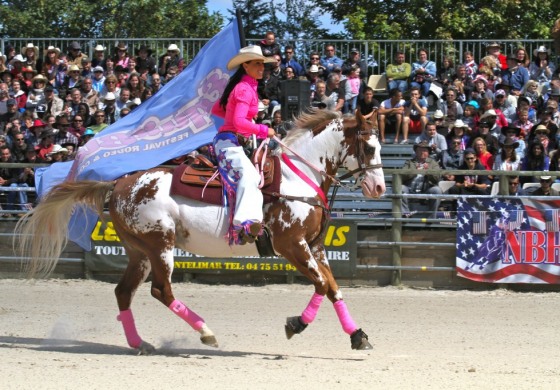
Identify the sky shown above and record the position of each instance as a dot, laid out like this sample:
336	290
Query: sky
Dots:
222	6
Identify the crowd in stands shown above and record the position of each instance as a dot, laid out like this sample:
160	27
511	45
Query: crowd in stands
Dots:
503	110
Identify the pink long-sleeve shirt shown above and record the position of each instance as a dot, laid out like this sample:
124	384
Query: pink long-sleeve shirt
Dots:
241	108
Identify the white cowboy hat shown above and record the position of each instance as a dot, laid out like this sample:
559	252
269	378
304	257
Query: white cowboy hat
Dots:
541	49
488	113
173	47
3	56
30	46
17	58
459	123
57	149
246	54
313	69
52	48
99	48
134	102
109	96
438	114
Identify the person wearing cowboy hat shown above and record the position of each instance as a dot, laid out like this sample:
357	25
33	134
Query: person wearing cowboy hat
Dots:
508	159
121	56
493	49
171	58
420	183
238	106
15	66
99	57
541	68
37	93
50	62
513	133
75	55
144	59
31	55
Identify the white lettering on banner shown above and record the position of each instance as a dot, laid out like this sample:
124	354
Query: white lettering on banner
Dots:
338	255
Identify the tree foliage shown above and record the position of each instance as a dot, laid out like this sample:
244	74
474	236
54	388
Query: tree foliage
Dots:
108	18
444	19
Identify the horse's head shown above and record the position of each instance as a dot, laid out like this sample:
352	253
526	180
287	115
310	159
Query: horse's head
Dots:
364	155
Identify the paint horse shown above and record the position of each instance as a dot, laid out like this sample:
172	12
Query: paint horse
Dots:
150	222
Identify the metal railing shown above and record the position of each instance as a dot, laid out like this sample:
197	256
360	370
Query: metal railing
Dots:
377	53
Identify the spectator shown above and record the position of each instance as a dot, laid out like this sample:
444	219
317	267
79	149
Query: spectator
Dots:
290	61
330	61
398	73
355	60
171	58
98	79
423	72
470	65
542	134
452	158
513	133
522	58
3	63
462	84
64	135
71	81
111	85
99	124
420	183
514	188
50	63
121	56
451	108
541	68
507	159
87	70
57	154
531	91
414	118
523	122
471	184
11	114
335	92
37	93
109	67
28	73
482	154
369	106
481	89
75	55
288	74
135	85
471	115
13	178
546	186
77	128
30	52
491	141
18	146
515	76
438	118
123	101
146	94
53	104
109	107
144	59
88	134
391	110
493	50
501	103
355	84
172	72
315	60
435	141
155	83
535	159
19	95
46	143
99	57
447	73
16	65
320	100
268	45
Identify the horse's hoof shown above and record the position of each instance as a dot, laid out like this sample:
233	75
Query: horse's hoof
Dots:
211	341
146	349
360	341
293	326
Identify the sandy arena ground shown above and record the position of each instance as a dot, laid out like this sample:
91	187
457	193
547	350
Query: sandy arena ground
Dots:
62	334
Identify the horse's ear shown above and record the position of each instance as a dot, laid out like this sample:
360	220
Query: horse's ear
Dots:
359	118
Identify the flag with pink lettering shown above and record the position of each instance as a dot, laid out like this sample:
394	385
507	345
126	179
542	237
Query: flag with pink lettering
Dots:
509	240
170	124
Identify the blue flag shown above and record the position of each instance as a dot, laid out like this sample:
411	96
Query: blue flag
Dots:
170	124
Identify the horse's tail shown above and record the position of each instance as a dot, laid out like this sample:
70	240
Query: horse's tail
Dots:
43	232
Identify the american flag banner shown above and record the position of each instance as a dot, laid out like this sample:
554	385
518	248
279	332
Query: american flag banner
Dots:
508	240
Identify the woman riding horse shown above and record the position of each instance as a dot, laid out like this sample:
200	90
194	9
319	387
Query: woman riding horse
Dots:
238	106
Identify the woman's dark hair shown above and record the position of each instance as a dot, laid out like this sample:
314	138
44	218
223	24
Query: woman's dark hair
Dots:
233	81
504	156
535	163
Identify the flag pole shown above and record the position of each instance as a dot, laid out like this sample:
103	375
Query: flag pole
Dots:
240	28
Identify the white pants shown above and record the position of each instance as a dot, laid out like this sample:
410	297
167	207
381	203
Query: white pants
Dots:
240	170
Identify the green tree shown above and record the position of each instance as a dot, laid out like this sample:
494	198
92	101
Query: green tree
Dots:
108	18
443	19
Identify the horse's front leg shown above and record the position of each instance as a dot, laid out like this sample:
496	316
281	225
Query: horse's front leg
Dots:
312	262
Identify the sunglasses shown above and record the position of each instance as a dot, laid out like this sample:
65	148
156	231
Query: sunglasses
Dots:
314	58
289	52
541	132
470	158
545	180
78	120
455	143
513	184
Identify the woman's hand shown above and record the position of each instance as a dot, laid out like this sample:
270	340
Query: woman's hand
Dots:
271	132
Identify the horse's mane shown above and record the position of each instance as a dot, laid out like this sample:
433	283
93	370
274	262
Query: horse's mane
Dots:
308	121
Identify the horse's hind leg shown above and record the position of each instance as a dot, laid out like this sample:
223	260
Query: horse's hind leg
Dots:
162	268
136	273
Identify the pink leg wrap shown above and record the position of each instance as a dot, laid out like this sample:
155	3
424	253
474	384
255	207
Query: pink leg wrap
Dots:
344	317
130	331
312	308
193	319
